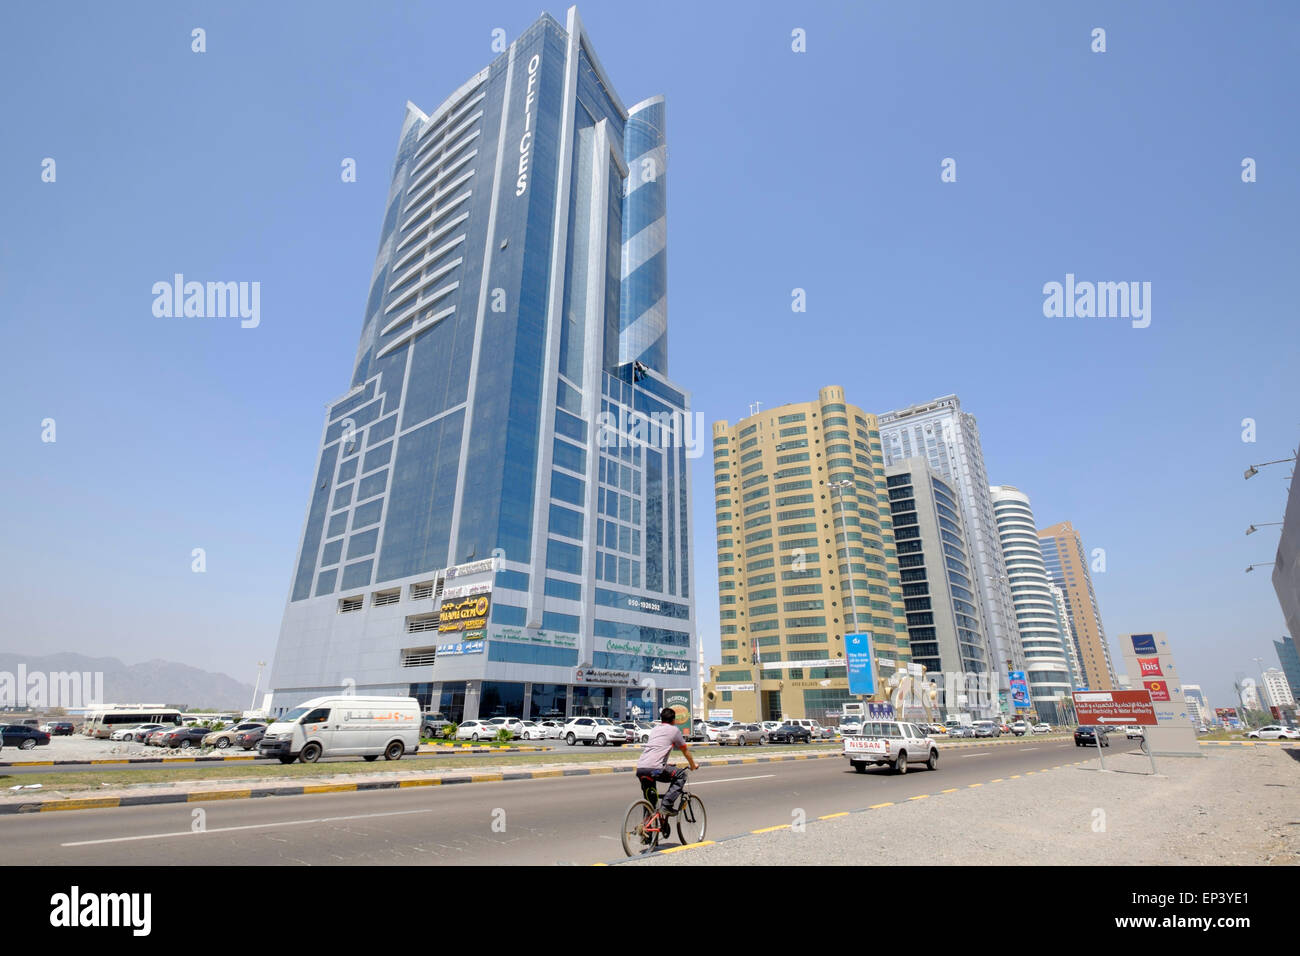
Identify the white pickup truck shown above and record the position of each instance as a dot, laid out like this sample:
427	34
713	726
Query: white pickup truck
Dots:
891	742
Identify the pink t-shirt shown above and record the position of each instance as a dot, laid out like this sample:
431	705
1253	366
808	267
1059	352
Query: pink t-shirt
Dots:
654	756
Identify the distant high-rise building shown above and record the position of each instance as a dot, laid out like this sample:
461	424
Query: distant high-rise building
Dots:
806	555
1067	565
1067	633
499	520
949	440
939	587
1277	690
1197	700
1290	661
1047	663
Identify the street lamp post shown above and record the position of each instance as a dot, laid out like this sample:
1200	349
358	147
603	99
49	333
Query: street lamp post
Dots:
258	685
837	489
1253	470
1263	524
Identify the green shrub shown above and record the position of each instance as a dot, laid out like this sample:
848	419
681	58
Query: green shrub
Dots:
450	730
503	736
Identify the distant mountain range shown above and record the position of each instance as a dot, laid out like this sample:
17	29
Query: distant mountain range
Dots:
153	682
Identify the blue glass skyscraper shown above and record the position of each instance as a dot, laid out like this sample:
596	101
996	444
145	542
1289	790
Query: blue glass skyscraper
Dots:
499	518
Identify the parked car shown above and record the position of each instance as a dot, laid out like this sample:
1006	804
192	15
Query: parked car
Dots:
431	724
512	724
153	738
1004	727
143	732
714	727
790	734
1042	728
551	729
594	730
636	732
182	737
1275	732
58	728
475	730
987	728
1085	736
23	736
1134	733
895	743
1020	728
741	735
249	739
221	739
123	733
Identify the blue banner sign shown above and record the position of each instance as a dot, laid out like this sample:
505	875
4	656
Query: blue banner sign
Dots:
861	664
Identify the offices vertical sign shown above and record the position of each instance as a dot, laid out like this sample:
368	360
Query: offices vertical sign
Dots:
526	140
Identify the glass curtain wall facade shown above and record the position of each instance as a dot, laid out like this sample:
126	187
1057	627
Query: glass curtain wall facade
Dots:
949	441
798	552
1047	663
495	446
939	588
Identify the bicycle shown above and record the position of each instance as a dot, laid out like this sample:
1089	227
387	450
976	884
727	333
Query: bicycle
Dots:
645	825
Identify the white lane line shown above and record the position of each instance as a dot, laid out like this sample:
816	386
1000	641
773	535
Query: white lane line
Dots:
1023	749
251	826
700	783
978	753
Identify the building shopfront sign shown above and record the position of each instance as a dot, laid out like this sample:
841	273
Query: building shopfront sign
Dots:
526	141
595	675
461	647
545	638
615	646
734	687
821	662
670	667
474	567
465	611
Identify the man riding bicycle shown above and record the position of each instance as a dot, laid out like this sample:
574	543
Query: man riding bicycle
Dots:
652	767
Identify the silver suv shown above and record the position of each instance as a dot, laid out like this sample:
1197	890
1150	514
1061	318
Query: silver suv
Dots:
894	743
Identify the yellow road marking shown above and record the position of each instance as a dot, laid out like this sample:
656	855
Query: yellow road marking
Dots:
832	816
688	846
949	790
329	788
919	796
485	777
877	806
998	780
975	785
784	826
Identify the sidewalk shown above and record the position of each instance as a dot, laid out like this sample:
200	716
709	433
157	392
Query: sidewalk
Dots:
1235	806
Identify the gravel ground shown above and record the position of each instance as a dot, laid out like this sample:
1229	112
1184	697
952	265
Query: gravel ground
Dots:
1235	806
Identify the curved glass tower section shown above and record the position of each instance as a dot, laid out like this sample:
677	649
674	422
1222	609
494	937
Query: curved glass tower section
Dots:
1047	665
643	319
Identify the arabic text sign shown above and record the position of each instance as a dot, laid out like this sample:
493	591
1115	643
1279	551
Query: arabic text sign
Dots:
1115	707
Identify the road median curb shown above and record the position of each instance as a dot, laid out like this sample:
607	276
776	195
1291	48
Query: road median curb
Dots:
313	789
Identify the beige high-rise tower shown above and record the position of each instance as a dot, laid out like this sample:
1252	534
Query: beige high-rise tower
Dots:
800	496
1067	565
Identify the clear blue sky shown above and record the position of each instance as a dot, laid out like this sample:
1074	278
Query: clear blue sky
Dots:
817	170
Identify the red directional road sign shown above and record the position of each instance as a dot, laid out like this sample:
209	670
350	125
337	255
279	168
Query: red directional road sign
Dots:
1117	707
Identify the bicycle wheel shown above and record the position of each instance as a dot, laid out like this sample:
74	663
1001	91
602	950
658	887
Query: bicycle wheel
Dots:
636	839
692	821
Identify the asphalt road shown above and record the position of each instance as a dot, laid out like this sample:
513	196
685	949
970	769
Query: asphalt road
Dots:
563	820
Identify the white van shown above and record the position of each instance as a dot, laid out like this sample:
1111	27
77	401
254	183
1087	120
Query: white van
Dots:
345	726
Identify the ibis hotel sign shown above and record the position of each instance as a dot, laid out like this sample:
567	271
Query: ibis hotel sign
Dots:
1149	662
464	611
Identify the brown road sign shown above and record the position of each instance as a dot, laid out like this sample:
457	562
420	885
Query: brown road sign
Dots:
1117	707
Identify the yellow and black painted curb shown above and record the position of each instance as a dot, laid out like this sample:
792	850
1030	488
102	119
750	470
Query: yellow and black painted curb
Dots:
153	799
425	750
